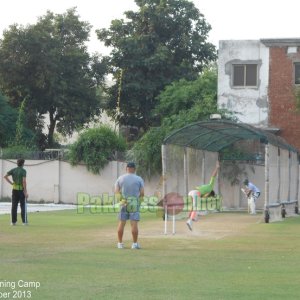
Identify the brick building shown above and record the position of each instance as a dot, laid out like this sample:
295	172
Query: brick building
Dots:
259	79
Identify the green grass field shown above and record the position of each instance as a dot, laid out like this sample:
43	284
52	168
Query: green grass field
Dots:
74	256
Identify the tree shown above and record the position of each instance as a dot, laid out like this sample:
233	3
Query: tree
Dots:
8	118
15	137
184	95
48	64
193	101
164	41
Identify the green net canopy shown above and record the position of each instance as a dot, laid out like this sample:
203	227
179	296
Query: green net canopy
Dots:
216	135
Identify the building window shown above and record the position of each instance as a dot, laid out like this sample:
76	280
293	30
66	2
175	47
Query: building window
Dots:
297	73
245	75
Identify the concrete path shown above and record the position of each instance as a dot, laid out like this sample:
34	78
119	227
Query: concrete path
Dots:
5	207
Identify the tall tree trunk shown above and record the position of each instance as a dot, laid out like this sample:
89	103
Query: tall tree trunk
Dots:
51	129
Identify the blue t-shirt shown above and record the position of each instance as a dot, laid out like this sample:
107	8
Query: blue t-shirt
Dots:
130	185
253	188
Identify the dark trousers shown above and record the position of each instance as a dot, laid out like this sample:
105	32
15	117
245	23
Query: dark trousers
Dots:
18	196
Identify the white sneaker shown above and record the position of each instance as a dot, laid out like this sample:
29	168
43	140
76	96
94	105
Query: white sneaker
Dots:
13	224
135	246
120	246
189	224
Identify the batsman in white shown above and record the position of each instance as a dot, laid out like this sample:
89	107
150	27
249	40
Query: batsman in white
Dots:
252	192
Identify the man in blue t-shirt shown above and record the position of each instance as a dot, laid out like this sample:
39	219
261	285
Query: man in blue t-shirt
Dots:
129	188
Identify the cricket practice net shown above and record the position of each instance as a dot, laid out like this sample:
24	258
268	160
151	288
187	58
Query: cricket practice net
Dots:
183	170
283	184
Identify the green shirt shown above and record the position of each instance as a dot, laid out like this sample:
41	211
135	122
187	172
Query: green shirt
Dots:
207	188
17	175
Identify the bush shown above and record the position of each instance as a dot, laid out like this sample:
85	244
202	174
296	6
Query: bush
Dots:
147	152
17	151
96	147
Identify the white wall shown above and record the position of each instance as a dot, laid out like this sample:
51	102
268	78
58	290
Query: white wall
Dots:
251	104
45	183
57	181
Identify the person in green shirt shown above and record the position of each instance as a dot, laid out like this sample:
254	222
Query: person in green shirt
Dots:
19	191
202	191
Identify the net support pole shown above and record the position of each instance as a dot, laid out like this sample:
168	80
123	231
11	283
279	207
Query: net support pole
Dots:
166	220
290	177
218	175
164	168
297	179
266	176
174	220
203	167
164	183
1	174
278	175
185	172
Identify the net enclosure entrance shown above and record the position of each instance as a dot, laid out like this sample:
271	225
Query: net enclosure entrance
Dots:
189	155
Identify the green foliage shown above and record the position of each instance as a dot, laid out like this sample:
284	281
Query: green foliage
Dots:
162	42
21	143
48	64
183	95
16	151
297	98
96	147
193	101
19	139
147	152
8	117
13	126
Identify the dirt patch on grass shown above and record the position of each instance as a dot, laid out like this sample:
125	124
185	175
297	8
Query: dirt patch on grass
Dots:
212	226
